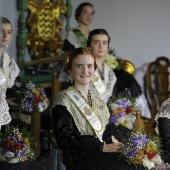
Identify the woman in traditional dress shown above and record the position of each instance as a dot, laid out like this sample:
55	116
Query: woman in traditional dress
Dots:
77	36
8	70
125	85
79	120
163	127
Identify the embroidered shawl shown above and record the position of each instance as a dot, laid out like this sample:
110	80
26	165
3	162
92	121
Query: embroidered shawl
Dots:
76	38
82	124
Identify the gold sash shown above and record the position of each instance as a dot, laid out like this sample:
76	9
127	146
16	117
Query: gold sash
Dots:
100	87
87	112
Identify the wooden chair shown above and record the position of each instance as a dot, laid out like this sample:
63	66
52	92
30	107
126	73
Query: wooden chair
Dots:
38	121
156	87
36	118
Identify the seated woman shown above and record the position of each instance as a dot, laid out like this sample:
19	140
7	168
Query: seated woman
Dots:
163	127
79	120
117	82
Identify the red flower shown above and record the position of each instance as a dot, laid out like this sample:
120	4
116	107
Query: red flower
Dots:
151	154
7	143
37	98
128	110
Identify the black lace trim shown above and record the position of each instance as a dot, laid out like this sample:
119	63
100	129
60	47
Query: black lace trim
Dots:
1	60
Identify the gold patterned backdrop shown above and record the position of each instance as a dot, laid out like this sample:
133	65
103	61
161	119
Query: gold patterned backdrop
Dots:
45	25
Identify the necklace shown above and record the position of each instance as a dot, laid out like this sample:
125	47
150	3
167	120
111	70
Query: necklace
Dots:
89	100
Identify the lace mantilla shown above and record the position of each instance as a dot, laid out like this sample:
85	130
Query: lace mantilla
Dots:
10	68
163	112
4	109
5	117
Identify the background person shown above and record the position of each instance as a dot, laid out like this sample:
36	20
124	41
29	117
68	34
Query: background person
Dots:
162	119
77	36
125	85
8	69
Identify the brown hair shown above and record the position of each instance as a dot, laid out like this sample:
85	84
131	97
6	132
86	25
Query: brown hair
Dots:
76	53
80	8
4	20
97	32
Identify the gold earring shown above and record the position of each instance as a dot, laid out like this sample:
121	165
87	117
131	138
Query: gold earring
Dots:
71	78
94	78
79	20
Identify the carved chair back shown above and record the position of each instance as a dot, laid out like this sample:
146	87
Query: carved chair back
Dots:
157	85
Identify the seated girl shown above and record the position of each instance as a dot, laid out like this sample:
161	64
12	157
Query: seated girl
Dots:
117	82
79	121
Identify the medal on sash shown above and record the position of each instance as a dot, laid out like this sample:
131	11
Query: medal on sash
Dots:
87	112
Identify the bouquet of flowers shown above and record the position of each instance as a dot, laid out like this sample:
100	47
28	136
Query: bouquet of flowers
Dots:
15	146
141	150
34	96
123	111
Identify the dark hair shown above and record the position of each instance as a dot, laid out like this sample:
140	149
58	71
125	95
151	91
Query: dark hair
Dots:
80	8
76	53
4	20
96	32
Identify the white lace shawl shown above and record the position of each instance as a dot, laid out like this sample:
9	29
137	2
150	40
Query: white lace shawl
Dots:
163	112
5	117
10	69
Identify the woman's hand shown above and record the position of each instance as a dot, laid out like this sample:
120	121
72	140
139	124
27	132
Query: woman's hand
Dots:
113	147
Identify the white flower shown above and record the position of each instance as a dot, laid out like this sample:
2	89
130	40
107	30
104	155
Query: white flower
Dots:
157	159
131	118
121	120
147	163
13	160
114	106
42	106
9	154
128	124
